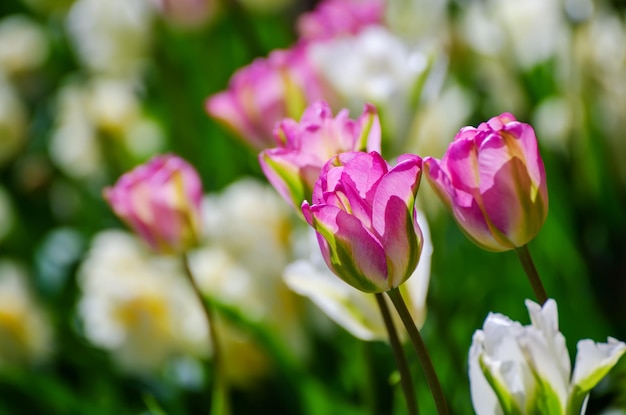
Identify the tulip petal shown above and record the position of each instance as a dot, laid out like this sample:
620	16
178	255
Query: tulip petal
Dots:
349	249
504	182
461	164
546	352
489	394
484	400
281	171
363	171
462	205
593	362
392	218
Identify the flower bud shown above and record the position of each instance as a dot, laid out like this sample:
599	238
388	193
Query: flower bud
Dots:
303	148
493	181
160	201
363	212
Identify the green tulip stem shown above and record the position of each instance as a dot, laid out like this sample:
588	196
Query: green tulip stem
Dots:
398	354
219	402
420	348
531	271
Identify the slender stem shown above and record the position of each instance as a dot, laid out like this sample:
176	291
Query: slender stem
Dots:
219	401
398	354
533	276
420	348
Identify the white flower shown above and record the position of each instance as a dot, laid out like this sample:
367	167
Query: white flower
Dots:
74	146
374	66
25	332
533	30
111	36
23	44
517	369
137	305
252	223
247	230
352	309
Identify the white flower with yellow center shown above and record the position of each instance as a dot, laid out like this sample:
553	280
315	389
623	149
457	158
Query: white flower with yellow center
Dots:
25	333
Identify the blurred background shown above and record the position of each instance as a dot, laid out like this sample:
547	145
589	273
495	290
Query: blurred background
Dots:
92	322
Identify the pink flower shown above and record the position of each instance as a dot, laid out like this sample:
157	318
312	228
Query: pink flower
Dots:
333	18
493	181
364	216
160	201
264	92
303	148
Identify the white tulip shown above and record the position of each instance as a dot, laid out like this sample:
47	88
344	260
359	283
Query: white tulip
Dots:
517	369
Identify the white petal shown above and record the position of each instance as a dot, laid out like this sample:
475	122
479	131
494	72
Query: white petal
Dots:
594	361
504	356
546	349
352	309
484	400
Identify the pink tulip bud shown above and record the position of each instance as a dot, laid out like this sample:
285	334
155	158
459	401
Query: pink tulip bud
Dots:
265	92
303	148
493	181
160	200
333	18
364	216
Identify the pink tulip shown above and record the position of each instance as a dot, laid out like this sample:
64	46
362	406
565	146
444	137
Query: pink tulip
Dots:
160	201
364	216
303	148
265	92
493	181
333	18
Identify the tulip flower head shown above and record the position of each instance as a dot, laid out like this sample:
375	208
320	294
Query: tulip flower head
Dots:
517	369
303	148
364	216
493	181
160	201
263	93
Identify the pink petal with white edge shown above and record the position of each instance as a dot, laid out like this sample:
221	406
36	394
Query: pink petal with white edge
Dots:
349	249
392	218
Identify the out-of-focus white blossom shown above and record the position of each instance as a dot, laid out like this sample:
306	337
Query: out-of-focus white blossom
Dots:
553	119
99	113
23	44
112	36
25	332
112	103
74	145
532	30
352	309
600	62
417	19
517	369
437	123
13	118
374	66
252	223
247	229
137	305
